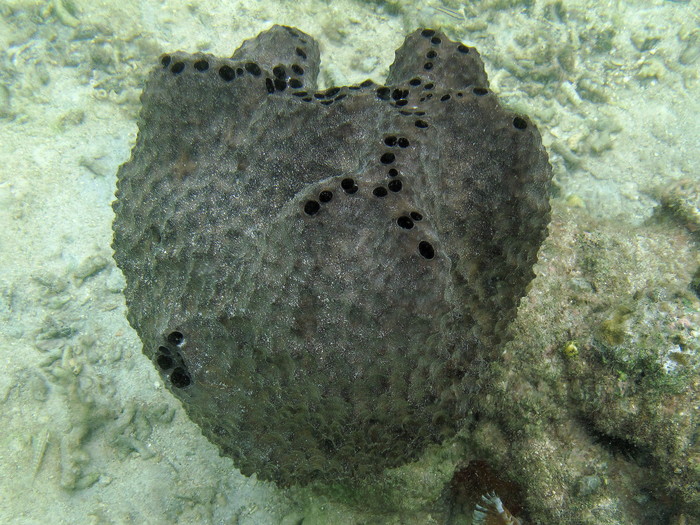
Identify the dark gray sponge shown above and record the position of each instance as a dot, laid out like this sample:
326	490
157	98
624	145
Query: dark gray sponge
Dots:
316	274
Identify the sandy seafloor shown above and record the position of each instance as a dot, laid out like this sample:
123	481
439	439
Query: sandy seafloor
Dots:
89	433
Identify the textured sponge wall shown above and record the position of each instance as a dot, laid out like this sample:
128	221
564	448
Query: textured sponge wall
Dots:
314	273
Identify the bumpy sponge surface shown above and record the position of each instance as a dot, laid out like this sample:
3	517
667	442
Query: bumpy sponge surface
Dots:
315	274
